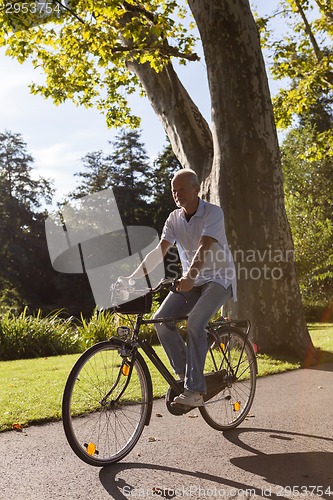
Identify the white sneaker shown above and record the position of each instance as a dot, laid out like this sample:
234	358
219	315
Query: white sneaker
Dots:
189	398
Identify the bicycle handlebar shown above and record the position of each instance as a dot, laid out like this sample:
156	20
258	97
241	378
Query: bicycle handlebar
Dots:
129	284
124	287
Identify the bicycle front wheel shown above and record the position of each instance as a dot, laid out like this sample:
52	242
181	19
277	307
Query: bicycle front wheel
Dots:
106	403
231	366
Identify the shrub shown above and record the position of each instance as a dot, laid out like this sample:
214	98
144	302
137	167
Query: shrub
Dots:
99	327
26	336
10	299
103	324
318	311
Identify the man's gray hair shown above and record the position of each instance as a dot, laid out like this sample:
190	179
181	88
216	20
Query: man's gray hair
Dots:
190	173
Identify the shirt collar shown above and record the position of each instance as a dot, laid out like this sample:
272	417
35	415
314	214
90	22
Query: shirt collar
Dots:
198	213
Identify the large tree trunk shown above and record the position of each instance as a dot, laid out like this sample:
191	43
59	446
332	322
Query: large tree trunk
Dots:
245	177
249	183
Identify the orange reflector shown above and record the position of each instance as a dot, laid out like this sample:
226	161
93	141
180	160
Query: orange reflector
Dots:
91	449
237	406
222	347
125	369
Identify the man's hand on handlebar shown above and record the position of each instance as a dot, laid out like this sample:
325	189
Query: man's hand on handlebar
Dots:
181	285
184	284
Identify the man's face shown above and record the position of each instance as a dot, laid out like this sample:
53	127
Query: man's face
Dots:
184	193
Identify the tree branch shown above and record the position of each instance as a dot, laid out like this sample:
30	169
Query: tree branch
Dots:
70	11
309	31
164	49
173	51
188	131
138	9
328	12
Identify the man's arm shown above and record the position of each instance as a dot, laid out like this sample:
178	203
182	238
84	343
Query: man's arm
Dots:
151	261
185	284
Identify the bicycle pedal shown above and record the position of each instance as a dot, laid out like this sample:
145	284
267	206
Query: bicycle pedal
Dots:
174	408
181	409
179	405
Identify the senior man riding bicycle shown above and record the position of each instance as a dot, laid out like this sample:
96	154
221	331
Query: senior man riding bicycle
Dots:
208	281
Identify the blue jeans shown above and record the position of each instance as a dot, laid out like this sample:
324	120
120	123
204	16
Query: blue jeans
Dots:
201	303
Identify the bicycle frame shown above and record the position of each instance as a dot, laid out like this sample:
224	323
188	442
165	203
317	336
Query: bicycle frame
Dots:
151	353
155	359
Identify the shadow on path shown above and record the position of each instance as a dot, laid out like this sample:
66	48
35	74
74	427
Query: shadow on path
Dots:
281	470
287	470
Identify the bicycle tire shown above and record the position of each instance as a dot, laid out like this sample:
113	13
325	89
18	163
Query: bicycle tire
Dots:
103	432
231	354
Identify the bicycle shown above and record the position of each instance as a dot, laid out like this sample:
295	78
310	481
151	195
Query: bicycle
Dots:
108	396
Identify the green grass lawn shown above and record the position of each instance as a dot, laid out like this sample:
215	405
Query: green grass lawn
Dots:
31	390
322	335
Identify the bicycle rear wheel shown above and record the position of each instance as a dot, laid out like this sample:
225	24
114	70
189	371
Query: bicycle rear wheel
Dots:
106	403
232	359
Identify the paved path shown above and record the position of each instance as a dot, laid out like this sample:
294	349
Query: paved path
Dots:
286	442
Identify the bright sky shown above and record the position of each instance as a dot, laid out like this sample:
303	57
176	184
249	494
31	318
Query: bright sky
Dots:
59	136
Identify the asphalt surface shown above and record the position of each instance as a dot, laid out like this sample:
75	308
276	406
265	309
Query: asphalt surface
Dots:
283	450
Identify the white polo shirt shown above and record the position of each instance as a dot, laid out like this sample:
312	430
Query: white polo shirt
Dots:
207	221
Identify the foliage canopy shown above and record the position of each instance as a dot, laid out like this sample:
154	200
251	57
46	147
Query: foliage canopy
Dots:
309	204
86	49
302	60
